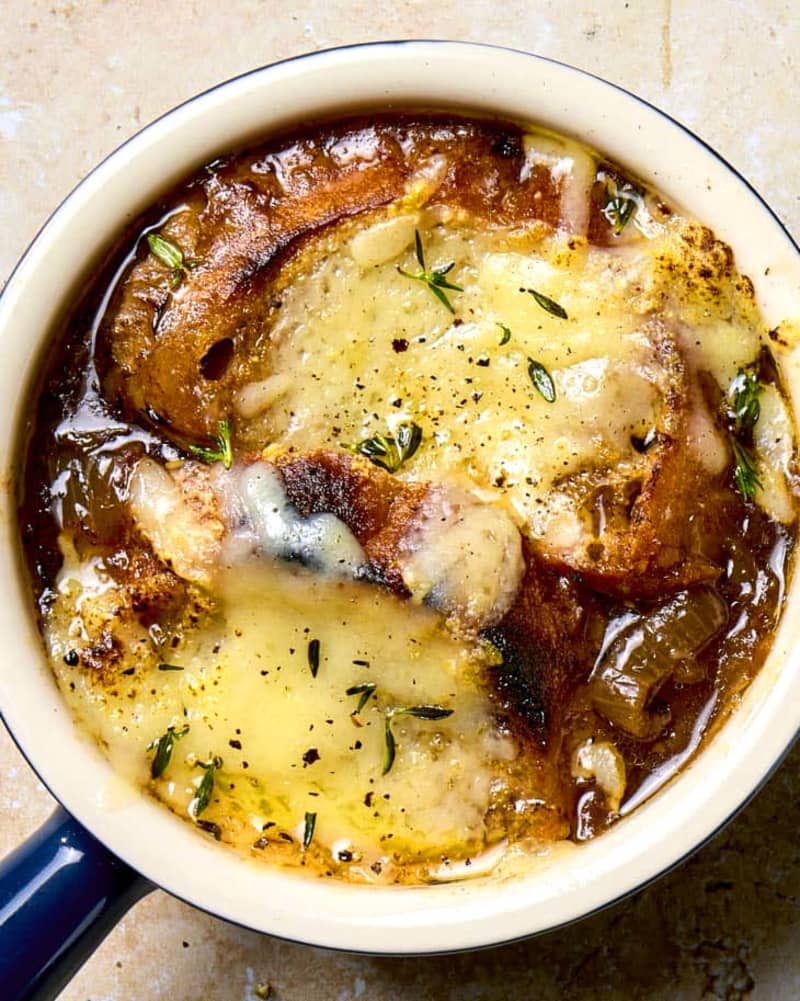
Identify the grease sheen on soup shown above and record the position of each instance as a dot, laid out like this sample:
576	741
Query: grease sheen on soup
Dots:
409	493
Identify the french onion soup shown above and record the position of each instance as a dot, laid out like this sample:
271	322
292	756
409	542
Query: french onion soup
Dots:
409	493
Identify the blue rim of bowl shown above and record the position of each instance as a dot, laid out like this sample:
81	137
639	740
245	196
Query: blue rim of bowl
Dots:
775	765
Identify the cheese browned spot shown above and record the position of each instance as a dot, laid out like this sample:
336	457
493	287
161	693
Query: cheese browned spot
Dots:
436	544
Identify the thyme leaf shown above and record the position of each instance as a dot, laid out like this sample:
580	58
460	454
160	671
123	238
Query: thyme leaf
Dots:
435	278
542	380
409	438
169	667
388	451
379	449
418	249
390	746
169	253
204	791
313	657
223	450
423	712
366	691
506	334
163	746
171	256
620	206
548	305
428	712
308	830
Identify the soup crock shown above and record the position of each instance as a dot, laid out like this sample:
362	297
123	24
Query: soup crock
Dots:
60	891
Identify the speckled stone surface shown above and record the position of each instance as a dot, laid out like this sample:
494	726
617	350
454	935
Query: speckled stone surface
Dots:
77	78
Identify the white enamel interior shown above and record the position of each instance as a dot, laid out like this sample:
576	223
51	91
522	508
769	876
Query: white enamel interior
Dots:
459	76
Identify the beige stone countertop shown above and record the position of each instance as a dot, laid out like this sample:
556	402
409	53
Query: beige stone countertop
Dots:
76	79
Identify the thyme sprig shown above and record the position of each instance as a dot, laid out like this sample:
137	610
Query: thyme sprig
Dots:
163	746
435	278
171	256
222	450
428	712
390	451
204	791
743	411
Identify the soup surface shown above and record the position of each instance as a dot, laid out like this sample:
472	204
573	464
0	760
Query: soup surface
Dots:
409	492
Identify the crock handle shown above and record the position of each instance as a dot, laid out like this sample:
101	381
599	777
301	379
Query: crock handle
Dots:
61	892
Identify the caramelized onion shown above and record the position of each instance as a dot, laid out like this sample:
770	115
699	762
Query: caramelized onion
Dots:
601	761
640	652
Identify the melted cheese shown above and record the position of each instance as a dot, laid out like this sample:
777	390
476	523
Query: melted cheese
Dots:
289	742
570	164
773	437
364	348
464	558
180	524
